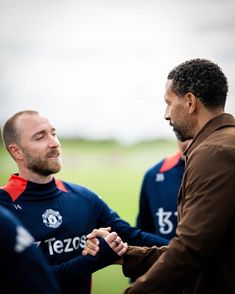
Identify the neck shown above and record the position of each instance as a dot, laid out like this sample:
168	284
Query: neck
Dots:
207	115
34	177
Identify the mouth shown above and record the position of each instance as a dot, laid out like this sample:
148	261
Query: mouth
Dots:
54	155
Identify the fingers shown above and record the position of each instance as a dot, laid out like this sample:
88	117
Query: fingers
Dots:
122	250
92	247
115	242
109	238
102	232
112	239
92	243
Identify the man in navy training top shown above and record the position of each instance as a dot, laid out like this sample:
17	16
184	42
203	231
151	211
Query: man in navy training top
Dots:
58	214
23	268
158	196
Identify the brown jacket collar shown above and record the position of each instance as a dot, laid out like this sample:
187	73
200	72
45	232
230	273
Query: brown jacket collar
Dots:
220	121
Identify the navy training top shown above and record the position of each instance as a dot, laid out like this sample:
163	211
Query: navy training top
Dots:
59	215
158	197
23	268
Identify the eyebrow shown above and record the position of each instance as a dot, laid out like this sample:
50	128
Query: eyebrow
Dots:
38	133
166	100
42	132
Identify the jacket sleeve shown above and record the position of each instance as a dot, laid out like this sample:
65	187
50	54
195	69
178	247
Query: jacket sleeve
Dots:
207	211
138	260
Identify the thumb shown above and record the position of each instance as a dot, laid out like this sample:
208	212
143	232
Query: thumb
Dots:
108	229
97	233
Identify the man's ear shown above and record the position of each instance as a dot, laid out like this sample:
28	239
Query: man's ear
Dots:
191	102
15	151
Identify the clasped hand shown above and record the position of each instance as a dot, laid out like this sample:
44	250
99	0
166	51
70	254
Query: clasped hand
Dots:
112	239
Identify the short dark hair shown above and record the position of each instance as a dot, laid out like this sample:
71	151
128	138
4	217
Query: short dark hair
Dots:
202	78
10	132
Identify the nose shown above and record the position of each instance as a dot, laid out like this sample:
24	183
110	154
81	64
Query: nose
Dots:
166	115
54	141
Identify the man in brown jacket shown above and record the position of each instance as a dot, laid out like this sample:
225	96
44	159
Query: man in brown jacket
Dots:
201	258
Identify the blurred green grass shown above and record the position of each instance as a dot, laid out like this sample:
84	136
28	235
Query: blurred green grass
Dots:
115	173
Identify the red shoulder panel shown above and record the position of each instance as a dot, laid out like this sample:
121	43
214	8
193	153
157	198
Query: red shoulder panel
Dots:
170	162
15	186
60	185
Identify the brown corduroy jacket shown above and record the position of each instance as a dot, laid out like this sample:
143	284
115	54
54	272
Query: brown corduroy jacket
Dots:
201	258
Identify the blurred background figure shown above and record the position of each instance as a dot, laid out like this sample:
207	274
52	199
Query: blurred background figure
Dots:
23	268
158	196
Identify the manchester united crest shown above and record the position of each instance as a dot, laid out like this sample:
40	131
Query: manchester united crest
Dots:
52	218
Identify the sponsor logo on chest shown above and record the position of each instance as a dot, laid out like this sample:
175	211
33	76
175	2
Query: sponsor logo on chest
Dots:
67	245
53	219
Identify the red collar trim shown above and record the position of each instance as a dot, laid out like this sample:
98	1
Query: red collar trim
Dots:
15	186
170	162
60	185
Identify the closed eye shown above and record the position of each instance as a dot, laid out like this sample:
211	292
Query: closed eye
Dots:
39	138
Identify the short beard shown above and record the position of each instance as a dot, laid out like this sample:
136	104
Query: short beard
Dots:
40	166
182	134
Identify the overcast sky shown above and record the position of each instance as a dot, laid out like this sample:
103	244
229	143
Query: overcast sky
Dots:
97	68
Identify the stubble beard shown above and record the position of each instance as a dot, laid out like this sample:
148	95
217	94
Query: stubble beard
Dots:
182	133
43	167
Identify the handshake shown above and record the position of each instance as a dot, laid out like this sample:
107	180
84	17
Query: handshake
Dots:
111	238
